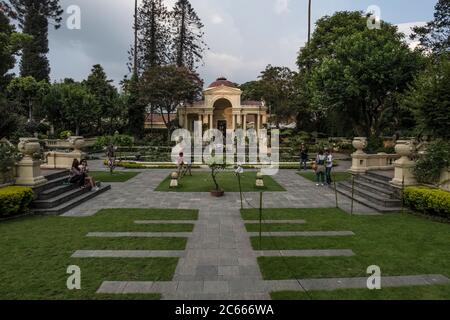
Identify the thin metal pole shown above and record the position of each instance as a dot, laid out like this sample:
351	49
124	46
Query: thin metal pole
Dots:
403	193
260	219
335	189
240	190
353	193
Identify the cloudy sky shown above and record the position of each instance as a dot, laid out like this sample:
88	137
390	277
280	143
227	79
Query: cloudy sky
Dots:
243	35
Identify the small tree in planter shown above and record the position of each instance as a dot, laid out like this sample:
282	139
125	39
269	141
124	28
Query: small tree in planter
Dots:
216	167
8	157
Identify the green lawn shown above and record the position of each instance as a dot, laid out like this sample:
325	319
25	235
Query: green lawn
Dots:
399	244
36	252
202	182
337	176
117	176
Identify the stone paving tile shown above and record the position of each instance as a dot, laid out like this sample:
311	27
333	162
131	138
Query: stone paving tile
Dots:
276	221
127	254
357	283
304	234
139	234
306	253
246	288
165	222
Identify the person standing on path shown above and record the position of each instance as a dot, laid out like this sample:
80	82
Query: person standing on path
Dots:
303	157
329	166
320	168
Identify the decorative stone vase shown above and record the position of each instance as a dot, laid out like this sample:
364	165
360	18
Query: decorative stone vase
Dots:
405	148
29	146
28	169
359	143
77	143
404	167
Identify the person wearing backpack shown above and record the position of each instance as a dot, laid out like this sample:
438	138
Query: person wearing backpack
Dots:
320	168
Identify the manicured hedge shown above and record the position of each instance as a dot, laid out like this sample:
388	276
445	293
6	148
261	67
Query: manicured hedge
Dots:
15	200
429	201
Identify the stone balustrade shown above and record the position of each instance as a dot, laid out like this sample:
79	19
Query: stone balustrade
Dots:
64	160
363	162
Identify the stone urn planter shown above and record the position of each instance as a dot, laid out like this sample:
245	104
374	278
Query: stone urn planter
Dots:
77	143
359	143
405	148
29	146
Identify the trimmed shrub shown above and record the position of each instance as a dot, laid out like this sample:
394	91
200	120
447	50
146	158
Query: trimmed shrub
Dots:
15	200
430	201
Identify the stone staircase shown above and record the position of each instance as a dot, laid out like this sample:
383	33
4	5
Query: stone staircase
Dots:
57	196
374	191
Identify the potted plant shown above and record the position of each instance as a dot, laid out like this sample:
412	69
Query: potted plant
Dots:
216	167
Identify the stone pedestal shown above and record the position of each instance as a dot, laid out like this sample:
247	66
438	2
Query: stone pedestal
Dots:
404	167
29	170
359	157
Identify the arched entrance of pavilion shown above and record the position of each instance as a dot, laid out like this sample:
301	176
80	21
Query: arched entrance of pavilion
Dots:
223	115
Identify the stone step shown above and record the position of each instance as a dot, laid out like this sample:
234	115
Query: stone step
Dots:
375	181
51	184
139	234
66	206
59	199
306	253
304	234
56	191
379	176
380	200
382	191
129	254
56	174
368	203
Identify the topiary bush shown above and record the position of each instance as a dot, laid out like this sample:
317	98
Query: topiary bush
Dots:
15	200
429	201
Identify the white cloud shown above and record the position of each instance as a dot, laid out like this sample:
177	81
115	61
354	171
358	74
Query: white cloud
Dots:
281	6
406	29
216	19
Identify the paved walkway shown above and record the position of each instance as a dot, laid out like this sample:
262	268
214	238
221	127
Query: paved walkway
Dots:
219	262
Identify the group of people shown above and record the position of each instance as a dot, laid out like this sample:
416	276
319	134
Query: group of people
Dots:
79	174
323	165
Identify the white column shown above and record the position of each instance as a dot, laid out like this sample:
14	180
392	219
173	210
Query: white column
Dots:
211	119
233	117
186	125
245	122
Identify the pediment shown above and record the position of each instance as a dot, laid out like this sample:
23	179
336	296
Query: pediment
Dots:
222	90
